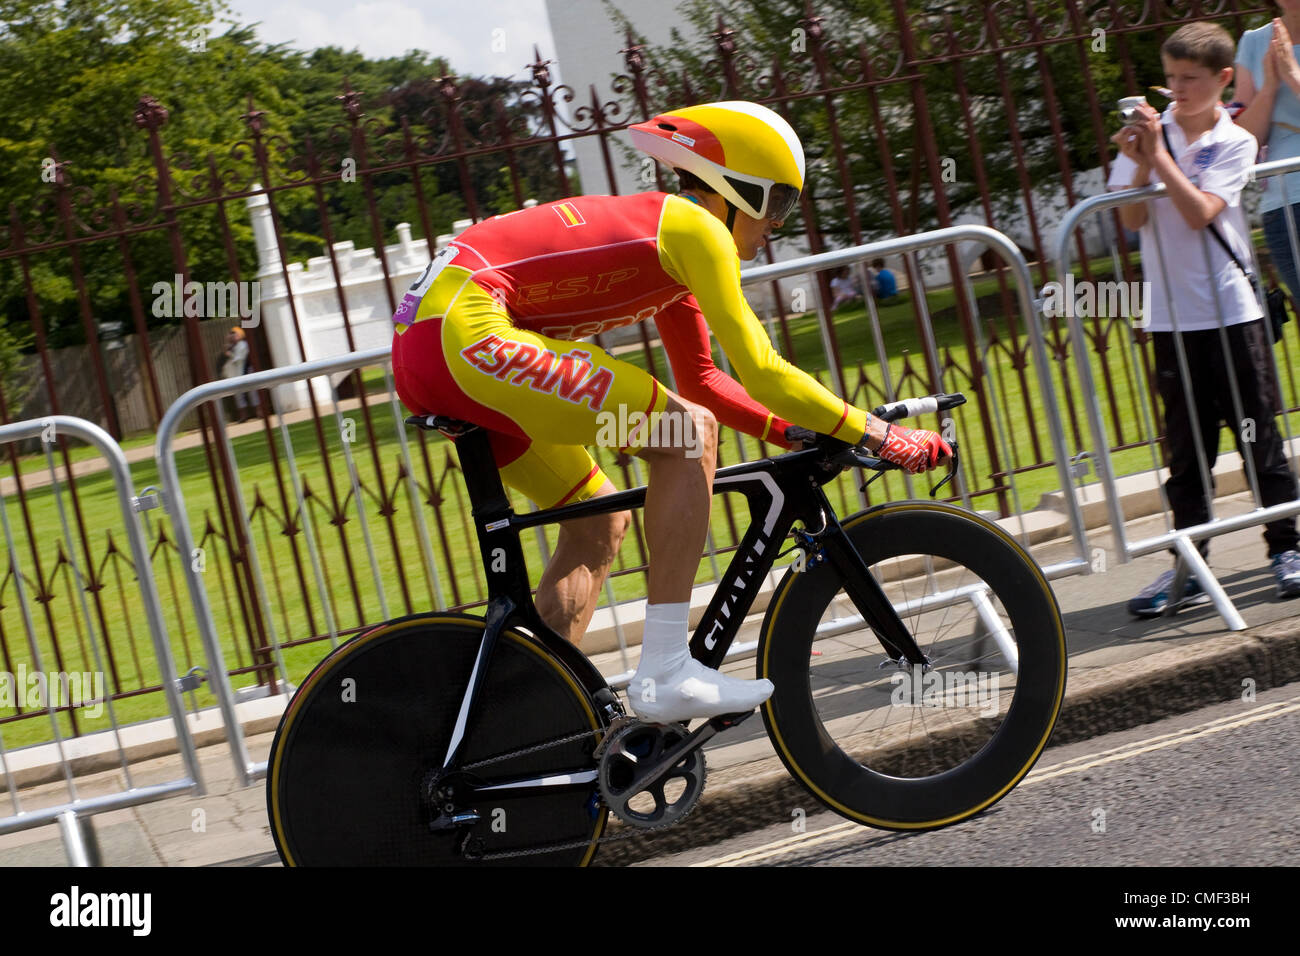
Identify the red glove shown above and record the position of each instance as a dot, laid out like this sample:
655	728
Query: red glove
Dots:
914	449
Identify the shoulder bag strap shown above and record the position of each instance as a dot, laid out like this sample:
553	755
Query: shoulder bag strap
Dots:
1250	276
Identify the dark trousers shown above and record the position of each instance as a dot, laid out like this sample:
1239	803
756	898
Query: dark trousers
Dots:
1212	390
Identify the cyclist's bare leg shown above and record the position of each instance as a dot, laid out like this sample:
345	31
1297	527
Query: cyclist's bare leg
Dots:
669	685
678	503
679	497
570	587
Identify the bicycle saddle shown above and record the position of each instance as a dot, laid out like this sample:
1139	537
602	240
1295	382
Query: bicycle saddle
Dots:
451	427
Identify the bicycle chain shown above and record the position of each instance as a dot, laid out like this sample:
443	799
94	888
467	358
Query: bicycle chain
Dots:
557	847
560	741
554	847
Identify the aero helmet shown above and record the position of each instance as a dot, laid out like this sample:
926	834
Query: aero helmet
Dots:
745	152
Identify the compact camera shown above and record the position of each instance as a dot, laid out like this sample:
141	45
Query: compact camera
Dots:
1129	114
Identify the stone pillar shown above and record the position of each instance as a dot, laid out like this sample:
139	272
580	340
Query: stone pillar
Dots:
259	212
274	312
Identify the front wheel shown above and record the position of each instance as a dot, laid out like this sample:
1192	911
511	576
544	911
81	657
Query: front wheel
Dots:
890	746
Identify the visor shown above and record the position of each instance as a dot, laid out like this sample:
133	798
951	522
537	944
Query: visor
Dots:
780	201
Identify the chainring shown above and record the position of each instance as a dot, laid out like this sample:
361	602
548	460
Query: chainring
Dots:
629	748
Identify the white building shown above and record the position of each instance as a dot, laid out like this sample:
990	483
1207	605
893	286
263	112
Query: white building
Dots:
316	299
588	45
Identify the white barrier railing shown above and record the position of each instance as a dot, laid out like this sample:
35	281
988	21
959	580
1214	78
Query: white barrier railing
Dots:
73	815
908	246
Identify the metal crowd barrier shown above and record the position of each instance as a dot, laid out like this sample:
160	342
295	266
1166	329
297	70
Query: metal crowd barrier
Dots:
908	247
174	501
73	815
1190	561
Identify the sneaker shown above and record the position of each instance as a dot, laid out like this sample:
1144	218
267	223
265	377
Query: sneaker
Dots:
1286	569
693	690
1154	598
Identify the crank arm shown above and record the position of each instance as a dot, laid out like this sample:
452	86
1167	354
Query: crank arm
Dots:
697	738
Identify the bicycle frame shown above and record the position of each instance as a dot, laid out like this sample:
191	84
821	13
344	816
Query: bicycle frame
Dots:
779	492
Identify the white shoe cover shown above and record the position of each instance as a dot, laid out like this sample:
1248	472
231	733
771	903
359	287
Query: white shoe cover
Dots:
693	690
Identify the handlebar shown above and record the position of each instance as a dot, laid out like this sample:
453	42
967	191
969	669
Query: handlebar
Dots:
911	407
852	456
890	412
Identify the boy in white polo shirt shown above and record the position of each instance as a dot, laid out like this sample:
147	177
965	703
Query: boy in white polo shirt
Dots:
1204	159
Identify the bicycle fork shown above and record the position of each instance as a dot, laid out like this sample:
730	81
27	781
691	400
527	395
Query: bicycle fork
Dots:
864	590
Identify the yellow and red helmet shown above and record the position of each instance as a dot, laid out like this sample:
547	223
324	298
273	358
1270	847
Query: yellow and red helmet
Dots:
745	152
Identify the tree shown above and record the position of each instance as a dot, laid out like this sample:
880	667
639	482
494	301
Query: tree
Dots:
74	74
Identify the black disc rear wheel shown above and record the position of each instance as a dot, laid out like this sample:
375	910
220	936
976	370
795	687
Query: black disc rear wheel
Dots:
348	778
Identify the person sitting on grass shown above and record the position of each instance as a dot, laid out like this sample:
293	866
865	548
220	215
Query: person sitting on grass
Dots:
883	283
844	288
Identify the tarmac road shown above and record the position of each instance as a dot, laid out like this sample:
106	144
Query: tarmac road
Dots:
1214	787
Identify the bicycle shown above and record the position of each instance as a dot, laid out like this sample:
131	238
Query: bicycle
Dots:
445	738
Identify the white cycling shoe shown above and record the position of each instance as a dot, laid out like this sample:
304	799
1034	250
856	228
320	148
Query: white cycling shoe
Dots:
692	690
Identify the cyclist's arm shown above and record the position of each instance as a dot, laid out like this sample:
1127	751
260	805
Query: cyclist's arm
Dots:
685	336
697	251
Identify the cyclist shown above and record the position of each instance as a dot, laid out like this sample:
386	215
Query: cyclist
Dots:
490	334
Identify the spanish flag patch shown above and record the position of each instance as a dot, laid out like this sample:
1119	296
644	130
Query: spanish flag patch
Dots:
569	213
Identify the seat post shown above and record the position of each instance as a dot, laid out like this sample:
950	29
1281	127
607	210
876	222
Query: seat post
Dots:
487	494
500	550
